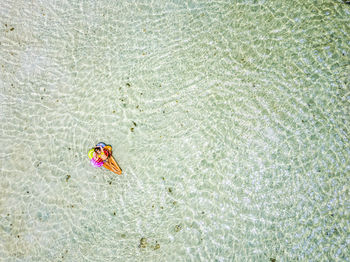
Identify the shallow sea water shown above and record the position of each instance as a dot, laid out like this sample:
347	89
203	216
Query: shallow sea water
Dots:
230	120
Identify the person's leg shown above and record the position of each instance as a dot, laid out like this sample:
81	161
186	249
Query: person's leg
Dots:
110	163
112	167
108	166
115	166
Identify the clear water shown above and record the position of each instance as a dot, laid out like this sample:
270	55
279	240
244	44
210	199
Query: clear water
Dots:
230	120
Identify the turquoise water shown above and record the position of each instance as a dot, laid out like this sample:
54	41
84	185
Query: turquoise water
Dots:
230	120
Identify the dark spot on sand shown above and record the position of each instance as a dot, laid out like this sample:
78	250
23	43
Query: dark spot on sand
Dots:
71	206
170	190
203	212
178	228
38	164
128	84
11	29
141	93
157	246
67	178
163	111
174	203
163	178
123	235
132	129
41	98
17	236
113	111
273	259
332	215
161	207
143	242
69	148
27	192
134	123
110	182
114	213
152	206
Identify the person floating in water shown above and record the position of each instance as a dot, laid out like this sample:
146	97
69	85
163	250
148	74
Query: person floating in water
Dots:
101	155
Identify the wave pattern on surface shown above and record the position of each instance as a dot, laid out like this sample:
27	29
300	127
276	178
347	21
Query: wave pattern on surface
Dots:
230	121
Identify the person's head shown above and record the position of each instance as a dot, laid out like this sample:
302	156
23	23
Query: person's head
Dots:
97	150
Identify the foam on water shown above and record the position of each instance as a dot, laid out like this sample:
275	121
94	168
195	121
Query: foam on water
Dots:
230	121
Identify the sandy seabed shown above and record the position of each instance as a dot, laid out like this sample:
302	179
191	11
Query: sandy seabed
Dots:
230	121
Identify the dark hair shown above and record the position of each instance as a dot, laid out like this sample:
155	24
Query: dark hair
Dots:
97	149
